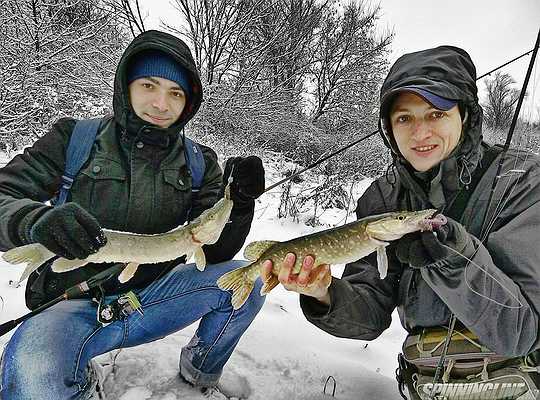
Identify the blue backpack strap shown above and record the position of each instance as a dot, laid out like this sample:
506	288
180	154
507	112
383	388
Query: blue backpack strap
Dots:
195	162
78	151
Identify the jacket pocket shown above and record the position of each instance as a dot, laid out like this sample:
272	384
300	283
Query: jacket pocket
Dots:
102	188
175	196
422	307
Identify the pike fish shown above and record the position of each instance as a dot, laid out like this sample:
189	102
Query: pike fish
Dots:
134	249
338	245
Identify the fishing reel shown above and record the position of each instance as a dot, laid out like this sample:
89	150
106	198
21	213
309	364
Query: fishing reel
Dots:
118	309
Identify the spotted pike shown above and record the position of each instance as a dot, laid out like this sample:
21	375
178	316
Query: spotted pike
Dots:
135	249
338	245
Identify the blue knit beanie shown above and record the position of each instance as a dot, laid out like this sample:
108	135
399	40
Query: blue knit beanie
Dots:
161	65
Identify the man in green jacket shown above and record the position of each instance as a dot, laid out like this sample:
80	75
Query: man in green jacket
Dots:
483	265
136	180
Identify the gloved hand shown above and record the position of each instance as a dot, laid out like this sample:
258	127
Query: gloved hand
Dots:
450	242
248	178
68	231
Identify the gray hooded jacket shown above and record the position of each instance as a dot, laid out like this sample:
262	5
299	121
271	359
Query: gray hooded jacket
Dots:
498	295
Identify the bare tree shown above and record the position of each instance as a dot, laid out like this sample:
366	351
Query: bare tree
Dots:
245	40
351	60
501	100
290	31
129	14
215	29
57	56
285	75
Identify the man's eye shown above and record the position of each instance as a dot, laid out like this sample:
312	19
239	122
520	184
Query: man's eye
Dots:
147	85
402	118
178	94
437	114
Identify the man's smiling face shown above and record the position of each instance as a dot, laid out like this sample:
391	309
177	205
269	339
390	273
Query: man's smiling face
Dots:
424	135
157	100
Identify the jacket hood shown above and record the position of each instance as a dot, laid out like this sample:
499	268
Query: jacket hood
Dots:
449	72
177	49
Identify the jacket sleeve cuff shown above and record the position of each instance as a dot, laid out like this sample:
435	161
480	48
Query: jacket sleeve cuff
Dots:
314	309
23	221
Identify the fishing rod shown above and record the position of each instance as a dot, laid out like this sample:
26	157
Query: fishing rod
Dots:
446	346
522	94
73	292
510	134
319	161
312	165
505	64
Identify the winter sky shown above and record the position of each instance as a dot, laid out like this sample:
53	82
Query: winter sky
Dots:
492	31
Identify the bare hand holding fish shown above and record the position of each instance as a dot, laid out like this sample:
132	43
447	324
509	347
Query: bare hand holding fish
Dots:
338	245
311	281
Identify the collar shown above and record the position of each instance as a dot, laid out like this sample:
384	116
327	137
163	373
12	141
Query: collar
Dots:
432	186
138	129
153	138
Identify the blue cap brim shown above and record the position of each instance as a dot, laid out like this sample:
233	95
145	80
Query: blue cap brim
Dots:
438	102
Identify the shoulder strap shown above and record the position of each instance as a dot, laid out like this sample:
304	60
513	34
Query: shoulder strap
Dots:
78	151
195	162
80	145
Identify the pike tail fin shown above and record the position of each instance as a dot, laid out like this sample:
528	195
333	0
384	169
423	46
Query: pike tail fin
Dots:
239	282
34	254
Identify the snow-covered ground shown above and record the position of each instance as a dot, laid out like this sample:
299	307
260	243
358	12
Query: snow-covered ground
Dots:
281	356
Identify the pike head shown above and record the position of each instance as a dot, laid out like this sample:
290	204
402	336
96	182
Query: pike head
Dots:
393	226
208	226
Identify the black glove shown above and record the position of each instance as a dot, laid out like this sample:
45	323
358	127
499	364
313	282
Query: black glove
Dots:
68	231
248	178
447	244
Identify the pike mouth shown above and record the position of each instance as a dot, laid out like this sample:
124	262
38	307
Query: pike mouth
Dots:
437	221
396	225
420	219
432	220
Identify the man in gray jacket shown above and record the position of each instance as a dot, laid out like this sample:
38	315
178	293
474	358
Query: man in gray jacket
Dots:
483	266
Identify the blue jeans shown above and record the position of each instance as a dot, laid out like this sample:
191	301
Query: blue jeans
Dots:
47	356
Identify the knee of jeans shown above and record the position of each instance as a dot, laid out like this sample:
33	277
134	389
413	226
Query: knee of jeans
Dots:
28	374
31	365
37	374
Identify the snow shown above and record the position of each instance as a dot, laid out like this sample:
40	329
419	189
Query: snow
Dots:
281	356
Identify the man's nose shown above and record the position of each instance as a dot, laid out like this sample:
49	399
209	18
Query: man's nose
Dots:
421	131
160	102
